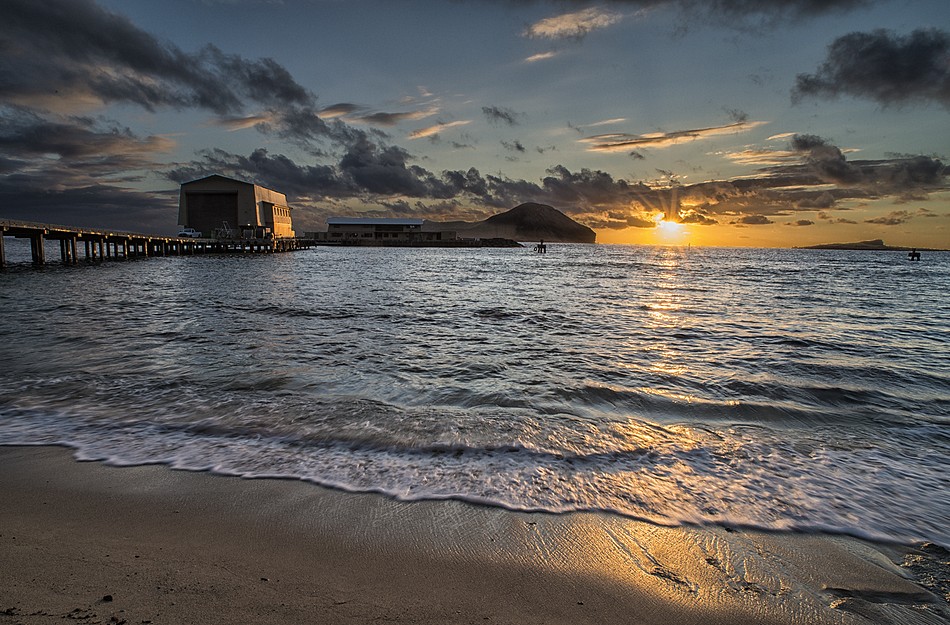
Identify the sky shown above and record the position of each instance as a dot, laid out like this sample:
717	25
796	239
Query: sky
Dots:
772	123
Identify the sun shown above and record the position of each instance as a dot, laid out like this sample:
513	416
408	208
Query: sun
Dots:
667	228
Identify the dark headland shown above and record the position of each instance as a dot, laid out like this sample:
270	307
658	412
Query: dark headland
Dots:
525	222
874	244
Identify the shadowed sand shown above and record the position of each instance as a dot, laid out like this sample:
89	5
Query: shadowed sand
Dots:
97	544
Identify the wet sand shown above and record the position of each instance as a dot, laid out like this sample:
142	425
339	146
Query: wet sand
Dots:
97	544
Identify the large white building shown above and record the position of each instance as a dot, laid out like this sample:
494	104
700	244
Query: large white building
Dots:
223	207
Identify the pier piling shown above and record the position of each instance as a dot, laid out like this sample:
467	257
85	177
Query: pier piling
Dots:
101	245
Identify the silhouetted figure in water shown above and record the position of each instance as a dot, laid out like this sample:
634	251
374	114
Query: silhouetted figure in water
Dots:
541	248
913	255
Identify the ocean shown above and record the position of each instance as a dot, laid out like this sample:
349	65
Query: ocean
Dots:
783	389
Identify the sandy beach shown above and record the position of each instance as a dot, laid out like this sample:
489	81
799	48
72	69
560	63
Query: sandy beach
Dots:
97	544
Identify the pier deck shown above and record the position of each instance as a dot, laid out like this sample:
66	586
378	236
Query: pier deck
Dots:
99	244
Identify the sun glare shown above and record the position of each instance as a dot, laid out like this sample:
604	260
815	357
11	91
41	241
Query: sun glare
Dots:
667	228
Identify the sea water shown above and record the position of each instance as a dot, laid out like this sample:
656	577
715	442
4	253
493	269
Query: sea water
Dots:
780	389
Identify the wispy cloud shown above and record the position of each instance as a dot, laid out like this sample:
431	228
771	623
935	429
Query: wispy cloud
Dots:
541	56
391	119
243	122
622	142
437	128
607	122
760	157
574	25
338	110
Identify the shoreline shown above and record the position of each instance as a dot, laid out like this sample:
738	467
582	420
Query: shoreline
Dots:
148	544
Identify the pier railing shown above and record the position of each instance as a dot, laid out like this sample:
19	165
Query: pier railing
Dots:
98	244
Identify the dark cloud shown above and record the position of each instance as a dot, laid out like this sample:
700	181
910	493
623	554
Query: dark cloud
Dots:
738	116
821	162
835	220
894	218
399	207
385	119
695	217
74	48
83	141
497	114
753	220
468	182
514	146
826	160
822	199
910	172
776	8
589	189
278	172
385	170
78	171
112	207
391	119
801	222
888	68
54	53
618	220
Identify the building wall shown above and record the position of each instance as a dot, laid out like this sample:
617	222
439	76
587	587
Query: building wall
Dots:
208	211
248	209
373	233
274	213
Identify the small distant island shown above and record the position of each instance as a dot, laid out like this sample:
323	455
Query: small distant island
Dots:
874	244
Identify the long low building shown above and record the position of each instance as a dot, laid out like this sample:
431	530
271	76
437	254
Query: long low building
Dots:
379	231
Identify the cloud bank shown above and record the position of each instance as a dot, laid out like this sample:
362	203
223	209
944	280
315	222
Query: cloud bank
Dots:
813	175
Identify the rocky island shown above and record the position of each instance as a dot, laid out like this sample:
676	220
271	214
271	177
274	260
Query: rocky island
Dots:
525	222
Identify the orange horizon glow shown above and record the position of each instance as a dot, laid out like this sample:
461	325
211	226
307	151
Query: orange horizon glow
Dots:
673	233
926	226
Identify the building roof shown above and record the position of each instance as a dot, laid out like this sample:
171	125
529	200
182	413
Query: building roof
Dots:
219	176
372	221
225	178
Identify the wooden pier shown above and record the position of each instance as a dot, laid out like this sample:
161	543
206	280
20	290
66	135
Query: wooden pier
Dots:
99	245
